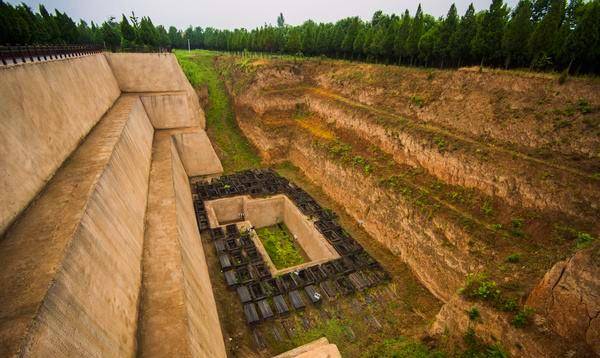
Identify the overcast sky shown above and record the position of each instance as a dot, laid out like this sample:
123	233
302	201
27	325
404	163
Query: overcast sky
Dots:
232	14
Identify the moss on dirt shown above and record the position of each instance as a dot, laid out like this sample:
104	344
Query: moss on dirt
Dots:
281	246
233	148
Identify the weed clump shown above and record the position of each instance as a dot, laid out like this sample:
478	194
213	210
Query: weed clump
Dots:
401	347
479	286
476	348
581	239
441	143
584	106
280	246
417	101
523	317
473	313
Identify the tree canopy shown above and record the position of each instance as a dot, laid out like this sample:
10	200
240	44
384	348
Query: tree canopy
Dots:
539	34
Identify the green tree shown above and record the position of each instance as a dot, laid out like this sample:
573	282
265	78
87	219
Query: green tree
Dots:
127	31
85	33
49	26
352	28
110	34
416	31
516	36
163	36
402	32
487	43
446	32
460	42
66	27
359	43
429	45
560	49
175	37
544	36
584	41
280	20
539	10
147	33
294	41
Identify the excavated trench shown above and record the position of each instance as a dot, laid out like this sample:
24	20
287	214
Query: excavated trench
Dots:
484	222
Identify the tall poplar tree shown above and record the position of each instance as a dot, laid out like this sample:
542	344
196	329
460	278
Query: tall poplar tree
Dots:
416	31
516	36
543	37
460	42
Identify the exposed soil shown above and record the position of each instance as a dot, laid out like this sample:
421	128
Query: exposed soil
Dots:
454	171
402	308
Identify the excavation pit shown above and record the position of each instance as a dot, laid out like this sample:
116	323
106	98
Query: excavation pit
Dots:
233	211
249	215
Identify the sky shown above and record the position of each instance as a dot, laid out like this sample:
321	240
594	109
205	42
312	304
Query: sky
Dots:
230	14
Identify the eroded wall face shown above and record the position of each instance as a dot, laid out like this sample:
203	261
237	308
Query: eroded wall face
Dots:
46	109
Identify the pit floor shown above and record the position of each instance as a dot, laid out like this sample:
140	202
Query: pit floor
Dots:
281	232
355	323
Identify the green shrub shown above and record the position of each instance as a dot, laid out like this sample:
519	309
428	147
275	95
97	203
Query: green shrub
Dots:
479	286
513	258
563	76
583	240
473	313
487	208
339	149
516	227
584	106
522	318
509	305
440	142
477	349
417	100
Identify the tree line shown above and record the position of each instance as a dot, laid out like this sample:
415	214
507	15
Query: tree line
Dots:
536	34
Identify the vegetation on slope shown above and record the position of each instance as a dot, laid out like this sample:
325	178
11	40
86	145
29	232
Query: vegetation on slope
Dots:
233	148
280	245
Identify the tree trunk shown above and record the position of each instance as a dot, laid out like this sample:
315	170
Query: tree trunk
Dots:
570	64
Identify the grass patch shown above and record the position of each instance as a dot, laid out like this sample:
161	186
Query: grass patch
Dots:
401	347
281	247
478	349
513	258
233	148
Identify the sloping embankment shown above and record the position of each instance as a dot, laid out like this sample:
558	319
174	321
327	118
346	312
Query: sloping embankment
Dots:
448	203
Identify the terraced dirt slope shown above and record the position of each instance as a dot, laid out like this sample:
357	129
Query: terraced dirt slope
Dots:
480	182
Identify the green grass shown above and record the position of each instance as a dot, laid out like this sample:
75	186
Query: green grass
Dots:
233	148
400	347
280	246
